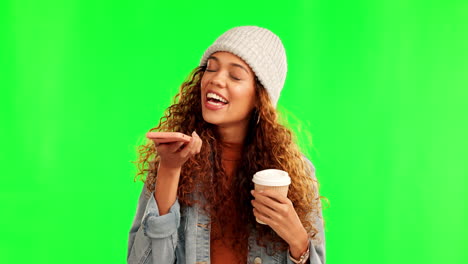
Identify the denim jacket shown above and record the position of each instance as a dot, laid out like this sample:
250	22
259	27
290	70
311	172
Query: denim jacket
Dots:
183	236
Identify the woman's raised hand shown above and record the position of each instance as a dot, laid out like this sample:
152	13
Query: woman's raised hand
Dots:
173	155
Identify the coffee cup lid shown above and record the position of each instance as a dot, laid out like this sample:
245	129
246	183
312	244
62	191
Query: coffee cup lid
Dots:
272	177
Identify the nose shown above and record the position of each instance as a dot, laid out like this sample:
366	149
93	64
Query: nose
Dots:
218	79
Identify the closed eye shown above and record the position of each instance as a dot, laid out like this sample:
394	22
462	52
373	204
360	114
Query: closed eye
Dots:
235	78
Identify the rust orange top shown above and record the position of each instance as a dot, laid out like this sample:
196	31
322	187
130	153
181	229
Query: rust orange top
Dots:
221	249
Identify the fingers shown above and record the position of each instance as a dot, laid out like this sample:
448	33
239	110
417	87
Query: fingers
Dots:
277	212
270	198
169	147
174	147
200	143
175	154
193	147
262	217
263	209
272	204
188	148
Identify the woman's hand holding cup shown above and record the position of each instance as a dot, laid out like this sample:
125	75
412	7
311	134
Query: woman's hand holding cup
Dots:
273	208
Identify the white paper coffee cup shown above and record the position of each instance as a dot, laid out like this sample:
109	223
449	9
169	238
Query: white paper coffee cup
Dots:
272	179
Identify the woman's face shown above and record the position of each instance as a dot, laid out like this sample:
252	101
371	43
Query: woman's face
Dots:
228	91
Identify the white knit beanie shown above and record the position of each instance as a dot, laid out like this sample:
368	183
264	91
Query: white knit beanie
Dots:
261	49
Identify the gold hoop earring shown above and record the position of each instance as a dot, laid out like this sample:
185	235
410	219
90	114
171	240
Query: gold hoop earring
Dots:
258	117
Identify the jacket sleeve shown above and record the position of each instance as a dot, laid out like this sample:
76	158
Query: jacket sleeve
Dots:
316	248
153	238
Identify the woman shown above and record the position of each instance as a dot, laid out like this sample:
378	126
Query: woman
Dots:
198	203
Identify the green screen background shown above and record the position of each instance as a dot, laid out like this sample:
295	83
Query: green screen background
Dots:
378	87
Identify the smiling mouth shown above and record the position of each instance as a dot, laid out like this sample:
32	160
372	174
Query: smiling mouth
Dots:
215	99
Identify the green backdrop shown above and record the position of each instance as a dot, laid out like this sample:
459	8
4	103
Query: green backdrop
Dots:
379	87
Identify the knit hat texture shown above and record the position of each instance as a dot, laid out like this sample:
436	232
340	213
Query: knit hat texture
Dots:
261	49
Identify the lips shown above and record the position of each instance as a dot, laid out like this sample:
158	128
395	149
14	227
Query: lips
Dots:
215	101
216	97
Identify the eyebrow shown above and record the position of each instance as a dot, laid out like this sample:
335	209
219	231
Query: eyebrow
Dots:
232	64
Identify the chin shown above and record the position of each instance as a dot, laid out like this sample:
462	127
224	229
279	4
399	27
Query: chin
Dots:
211	119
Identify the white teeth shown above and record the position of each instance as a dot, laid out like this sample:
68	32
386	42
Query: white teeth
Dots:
215	96
215	103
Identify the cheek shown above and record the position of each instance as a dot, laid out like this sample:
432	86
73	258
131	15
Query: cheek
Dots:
246	97
250	93
202	82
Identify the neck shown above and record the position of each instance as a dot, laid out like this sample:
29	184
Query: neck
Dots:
233	134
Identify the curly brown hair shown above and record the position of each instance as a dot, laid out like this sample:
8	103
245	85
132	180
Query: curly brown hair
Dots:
268	145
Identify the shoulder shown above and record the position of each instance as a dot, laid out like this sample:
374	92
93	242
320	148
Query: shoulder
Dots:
309	164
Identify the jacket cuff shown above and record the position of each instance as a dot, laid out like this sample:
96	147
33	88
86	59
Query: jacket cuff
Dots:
156	226
316	254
